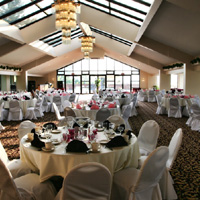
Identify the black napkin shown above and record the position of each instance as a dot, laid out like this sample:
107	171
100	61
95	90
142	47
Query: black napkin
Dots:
76	146
117	141
36	142
26	97
85	125
5	98
75	125
123	96
50	123
15	98
106	124
129	134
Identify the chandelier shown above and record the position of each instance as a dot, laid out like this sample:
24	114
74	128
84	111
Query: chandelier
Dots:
87	45
66	16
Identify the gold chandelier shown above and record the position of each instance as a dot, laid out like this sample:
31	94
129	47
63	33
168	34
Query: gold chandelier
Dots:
66	16
87	44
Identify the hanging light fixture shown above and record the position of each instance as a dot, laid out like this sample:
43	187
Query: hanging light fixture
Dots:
66	16
87	44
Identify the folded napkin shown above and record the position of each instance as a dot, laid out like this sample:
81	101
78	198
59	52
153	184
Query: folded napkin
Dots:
186	97
117	141
94	107
15	98
129	134
112	105
78	106
64	94
123	96
50	123
75	125
76	146
106	124
26	97
36	142
5	98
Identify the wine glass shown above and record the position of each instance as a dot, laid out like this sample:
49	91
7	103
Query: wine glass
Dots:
120	128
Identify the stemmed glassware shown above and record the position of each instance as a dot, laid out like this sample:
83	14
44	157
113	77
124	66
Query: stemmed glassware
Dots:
120	128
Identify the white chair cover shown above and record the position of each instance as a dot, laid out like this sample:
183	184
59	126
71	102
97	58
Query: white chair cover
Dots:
3	112
24	128
136	104
46	106
17	167
134	110
101	93
187	110
160	109
148	136
72	97
26	187
141	96
95	97
142	184
58	116
36	111
77	98
102	114
116	119
174	108
197	100
195	121
66	103
15	112
88	181
151	96
166	182
126	114
57	101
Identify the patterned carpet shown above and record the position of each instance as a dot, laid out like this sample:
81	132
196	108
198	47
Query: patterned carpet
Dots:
186	168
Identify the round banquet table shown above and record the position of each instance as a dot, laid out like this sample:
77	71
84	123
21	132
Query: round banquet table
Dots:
92	113
24	104
59	163
165	102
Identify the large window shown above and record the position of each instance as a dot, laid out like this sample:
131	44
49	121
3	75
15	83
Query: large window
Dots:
80	76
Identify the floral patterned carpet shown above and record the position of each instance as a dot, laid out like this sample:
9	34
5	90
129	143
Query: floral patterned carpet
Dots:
186	168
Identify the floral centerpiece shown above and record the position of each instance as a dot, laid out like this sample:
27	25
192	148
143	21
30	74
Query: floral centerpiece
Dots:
97	83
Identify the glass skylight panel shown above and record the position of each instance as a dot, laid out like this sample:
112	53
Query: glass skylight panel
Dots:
51	37
103	2
126	18
45	3
54	41
95	6
30	20
48	11
13	5
134	4
149	1
21	14
128	11
55	45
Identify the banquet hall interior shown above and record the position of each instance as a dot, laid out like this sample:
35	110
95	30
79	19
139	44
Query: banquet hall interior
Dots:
107	54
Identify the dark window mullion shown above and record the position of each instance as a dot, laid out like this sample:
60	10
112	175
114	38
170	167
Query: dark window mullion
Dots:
142	2
50	40
51	43
128	7
30	15
5	2
50	35
57	44
18	9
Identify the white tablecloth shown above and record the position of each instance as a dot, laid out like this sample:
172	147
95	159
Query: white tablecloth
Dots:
60	163
92	113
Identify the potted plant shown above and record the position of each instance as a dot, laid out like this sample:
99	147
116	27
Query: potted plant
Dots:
97	83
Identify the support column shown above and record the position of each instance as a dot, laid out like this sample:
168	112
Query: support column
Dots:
164	81
22	81
5	82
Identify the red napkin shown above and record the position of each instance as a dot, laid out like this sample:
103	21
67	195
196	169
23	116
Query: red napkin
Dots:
106	102
111	105
64	94
94	107
186	97
78	106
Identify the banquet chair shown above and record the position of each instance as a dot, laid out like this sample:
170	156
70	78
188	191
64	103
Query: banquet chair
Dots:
134	110
3	112
57	112
134	184
151	96
36	111
166	181
141	96
46	106
24	128
188	110
160	109
195	121
77	98
16	166
69	112
100	93
86	181
57	101
126	114
66	103
72	97
116	119
148	136
196	100
27	187
95	97
136	103
15	112
117	102
102	114
174	108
